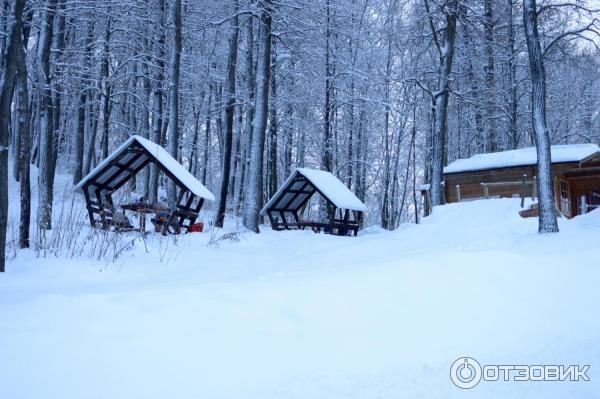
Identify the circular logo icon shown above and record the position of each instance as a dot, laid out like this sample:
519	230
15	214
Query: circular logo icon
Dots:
465	372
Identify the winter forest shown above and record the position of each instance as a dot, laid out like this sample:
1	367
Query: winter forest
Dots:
278	199
382	93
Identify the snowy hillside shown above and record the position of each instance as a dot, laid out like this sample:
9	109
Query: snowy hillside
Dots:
300	315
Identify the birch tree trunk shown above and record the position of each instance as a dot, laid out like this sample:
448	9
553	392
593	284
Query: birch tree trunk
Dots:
547	217
254	185
229	114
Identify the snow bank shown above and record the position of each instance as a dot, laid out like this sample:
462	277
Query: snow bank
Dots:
297	315
521	157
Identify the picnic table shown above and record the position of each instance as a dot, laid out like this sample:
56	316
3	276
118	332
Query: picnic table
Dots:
141	209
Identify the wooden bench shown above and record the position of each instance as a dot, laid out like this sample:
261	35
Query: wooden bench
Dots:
343	228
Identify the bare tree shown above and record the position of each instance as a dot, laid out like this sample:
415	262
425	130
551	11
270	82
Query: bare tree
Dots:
445	52
173	129
7	82
24	150
547	211
229	114
46	120
254	185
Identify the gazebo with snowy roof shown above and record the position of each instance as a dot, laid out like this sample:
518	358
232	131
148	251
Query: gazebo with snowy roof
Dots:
575	168
124	163
286	208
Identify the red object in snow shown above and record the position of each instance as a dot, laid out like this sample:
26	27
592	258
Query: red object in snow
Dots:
196	228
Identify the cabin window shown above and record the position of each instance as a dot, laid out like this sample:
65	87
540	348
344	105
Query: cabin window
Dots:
565	202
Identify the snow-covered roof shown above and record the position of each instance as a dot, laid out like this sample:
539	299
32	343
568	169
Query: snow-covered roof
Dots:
117	167
293	193
522	157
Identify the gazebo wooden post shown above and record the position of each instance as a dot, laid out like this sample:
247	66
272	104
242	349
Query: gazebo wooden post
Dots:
283	220
359	220
332	218
88	205
274	224
187	208
346	219
102	208
296	217
170	219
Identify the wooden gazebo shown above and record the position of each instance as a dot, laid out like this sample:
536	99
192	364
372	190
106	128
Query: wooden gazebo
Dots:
124	163
285	210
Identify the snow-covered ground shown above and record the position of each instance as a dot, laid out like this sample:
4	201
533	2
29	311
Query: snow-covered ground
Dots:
300	315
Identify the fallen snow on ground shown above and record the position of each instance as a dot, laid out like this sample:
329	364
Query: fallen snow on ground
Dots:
300	315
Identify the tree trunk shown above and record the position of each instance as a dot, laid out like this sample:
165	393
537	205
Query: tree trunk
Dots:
104	72
385	203
272	161
7	82
79	135
250	89
229	114
173	130
207	130
327	156
157	97
440	123
490	78
24	150
513	135
46	121
547	218
254	186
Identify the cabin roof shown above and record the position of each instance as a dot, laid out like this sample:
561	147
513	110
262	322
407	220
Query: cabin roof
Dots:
304	182
133	154
522	157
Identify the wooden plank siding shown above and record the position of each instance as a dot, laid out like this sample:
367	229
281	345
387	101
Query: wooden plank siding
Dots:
471	186
508	182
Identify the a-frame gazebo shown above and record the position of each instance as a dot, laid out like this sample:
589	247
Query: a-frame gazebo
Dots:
285	210
124	163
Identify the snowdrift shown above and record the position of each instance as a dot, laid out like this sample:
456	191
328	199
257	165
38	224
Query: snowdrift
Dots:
297	315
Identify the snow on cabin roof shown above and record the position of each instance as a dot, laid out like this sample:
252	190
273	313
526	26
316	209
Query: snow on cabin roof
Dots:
521	157
325	182
161	156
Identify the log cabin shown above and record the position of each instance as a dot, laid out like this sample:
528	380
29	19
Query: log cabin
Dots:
575	170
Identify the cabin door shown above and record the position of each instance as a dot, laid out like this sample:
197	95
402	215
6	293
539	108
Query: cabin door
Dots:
564	192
